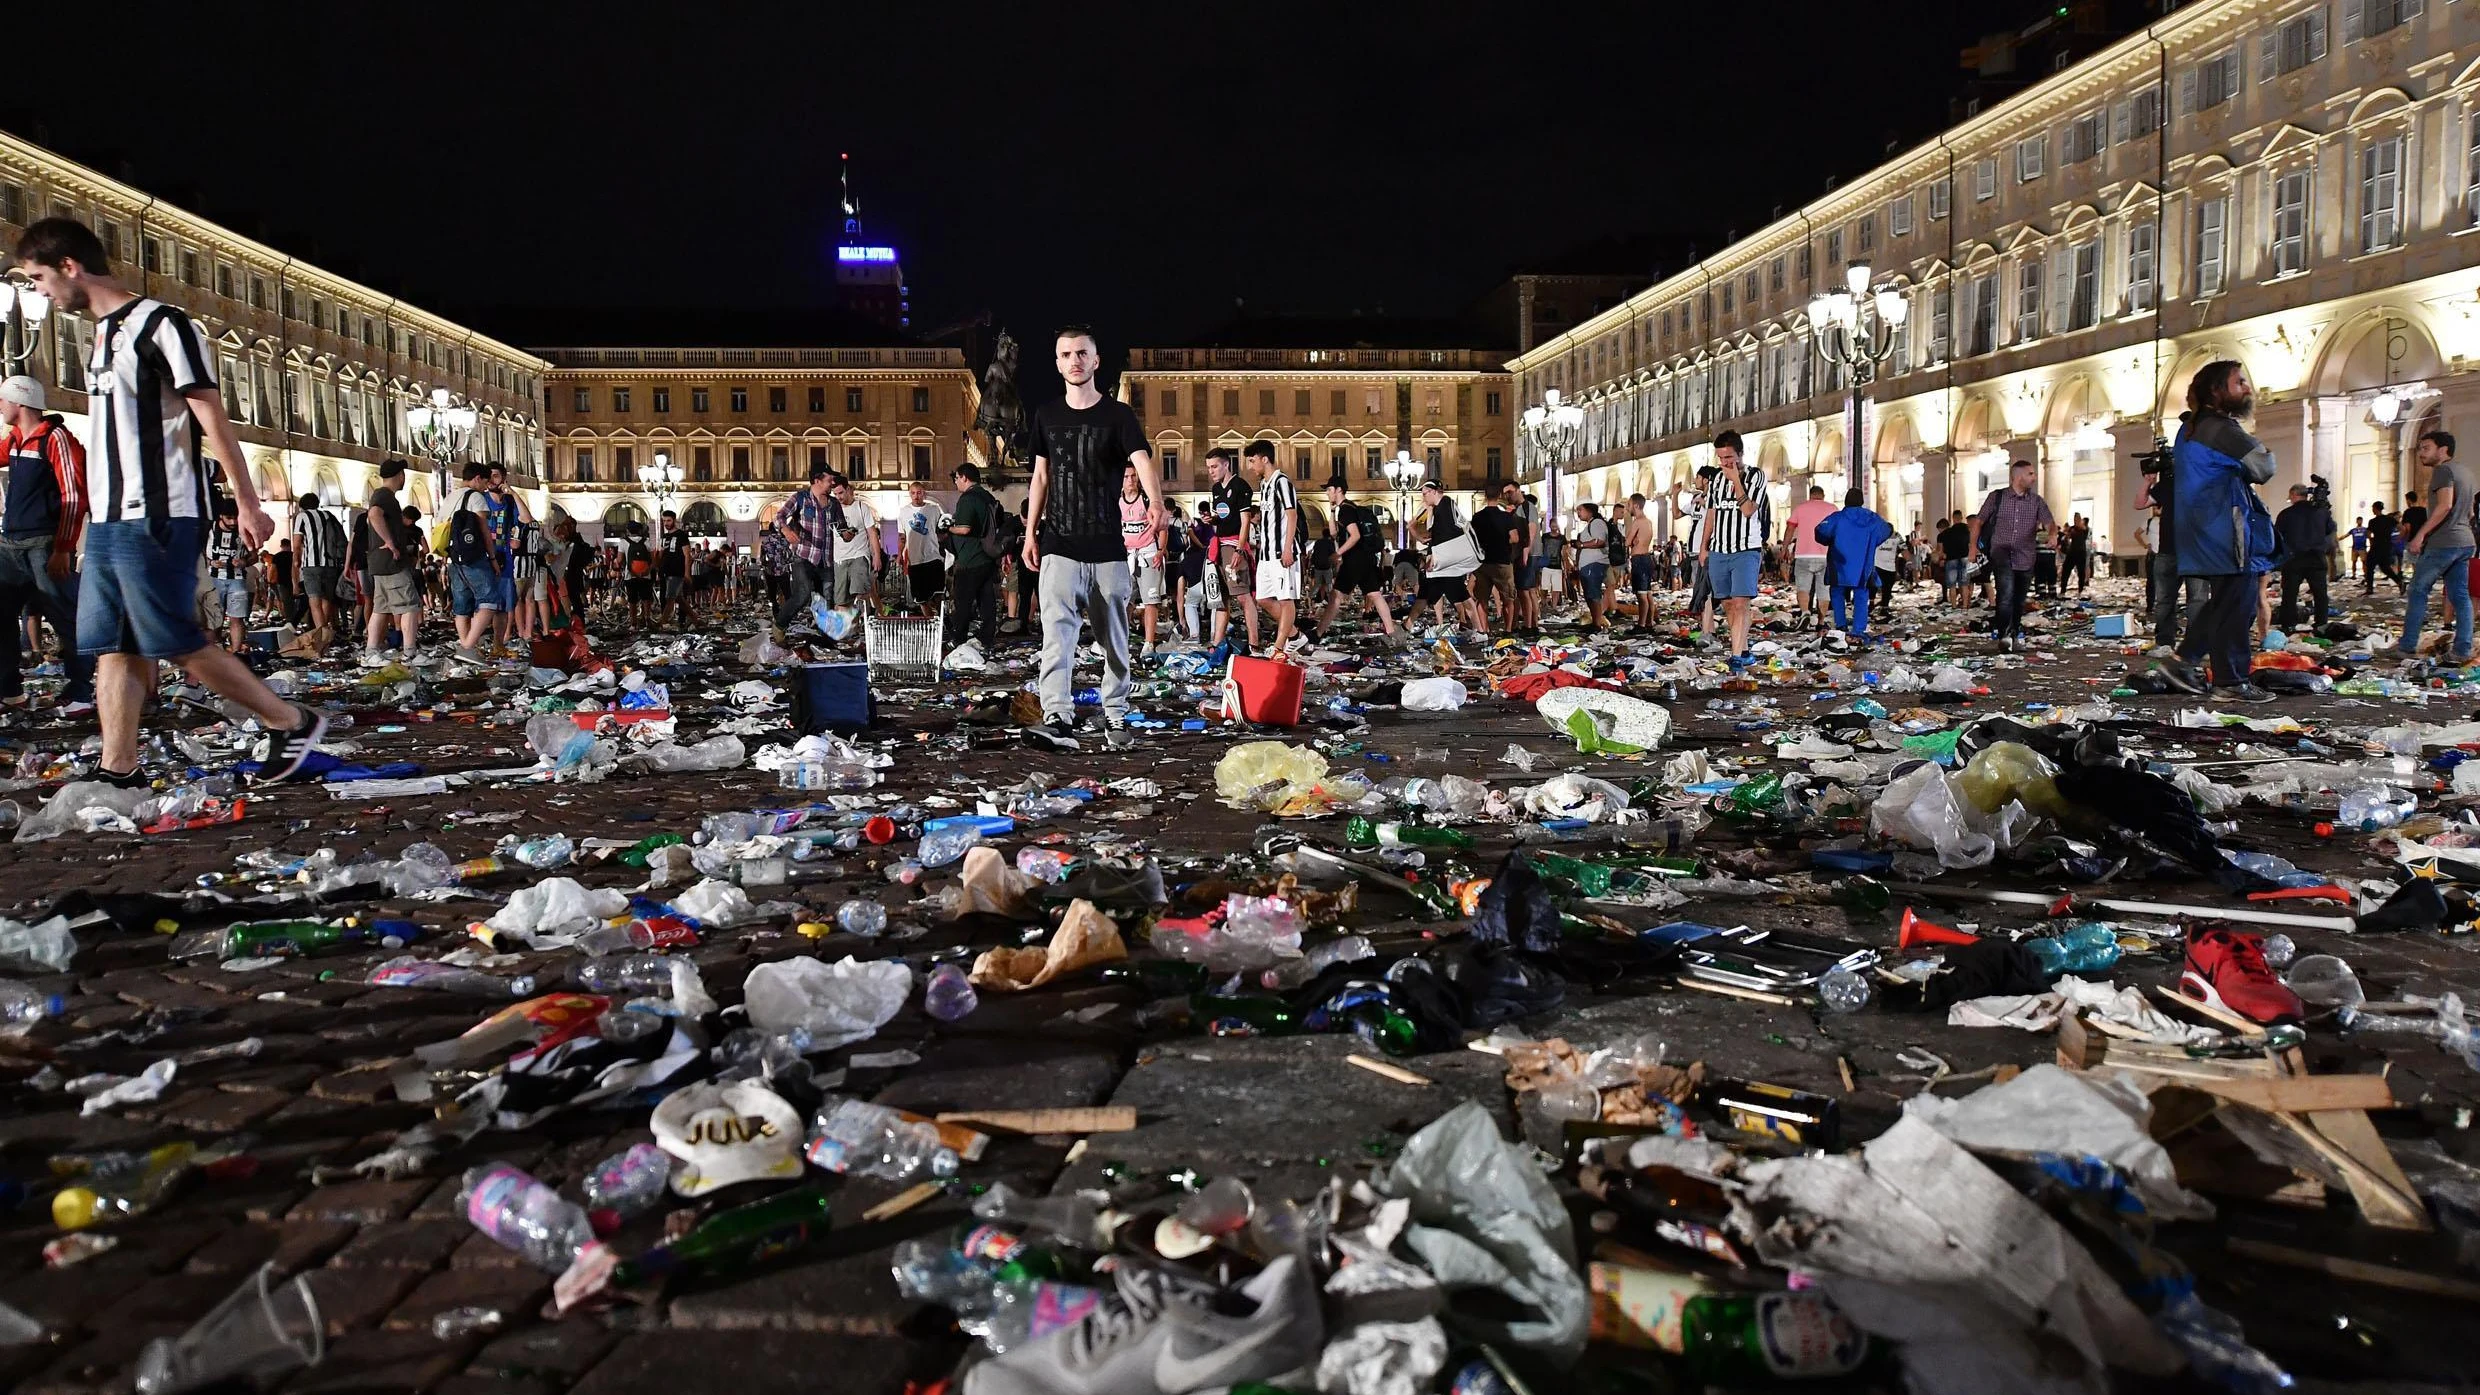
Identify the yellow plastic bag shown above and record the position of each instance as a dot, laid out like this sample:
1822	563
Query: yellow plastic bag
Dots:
1254	765
2010	770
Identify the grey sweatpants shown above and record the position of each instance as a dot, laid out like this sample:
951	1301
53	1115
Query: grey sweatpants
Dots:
1073	594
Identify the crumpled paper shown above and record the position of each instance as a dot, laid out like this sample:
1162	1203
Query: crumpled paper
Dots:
988	885
836	1004
1085	937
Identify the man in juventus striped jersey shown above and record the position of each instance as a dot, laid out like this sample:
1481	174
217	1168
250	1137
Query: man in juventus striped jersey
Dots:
151	401
1278	540
1738	516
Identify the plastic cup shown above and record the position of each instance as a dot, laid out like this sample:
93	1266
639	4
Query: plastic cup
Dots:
259	1331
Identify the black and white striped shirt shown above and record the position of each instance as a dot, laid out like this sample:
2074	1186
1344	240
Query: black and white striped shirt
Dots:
144	462
1278	515
1729	529
322	537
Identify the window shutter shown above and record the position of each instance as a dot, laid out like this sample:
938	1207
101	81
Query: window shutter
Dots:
2411	9
2268	54
2316	34
2061	287
2236	60
2354	20
2118	122
2187	92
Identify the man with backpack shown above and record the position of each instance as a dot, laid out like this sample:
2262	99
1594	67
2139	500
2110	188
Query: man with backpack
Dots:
395	563
473	564
319	546
637	569
982	533
41	519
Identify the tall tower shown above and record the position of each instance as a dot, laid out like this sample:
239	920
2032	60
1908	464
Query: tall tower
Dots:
869	279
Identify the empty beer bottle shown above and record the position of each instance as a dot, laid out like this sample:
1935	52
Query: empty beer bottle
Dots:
1755	798
1359	832
1735	1338
734	1239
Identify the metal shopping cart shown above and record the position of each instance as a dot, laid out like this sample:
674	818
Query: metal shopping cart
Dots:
905	648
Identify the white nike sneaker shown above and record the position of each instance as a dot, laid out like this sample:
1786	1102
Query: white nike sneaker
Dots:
1170	1336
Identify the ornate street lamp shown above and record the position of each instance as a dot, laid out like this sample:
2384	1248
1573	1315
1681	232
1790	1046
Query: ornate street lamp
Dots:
25	308
1857	330
1404	473
442	429
662	480
1553	428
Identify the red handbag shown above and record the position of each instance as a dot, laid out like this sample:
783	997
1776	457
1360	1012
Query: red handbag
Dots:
1265	692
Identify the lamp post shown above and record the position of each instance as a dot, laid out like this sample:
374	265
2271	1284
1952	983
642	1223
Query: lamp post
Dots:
442	430
1404	473
25	308
662	480
1856	330
1553	427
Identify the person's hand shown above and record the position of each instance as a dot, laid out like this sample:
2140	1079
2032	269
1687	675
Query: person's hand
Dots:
62	566
256	527
1290	558
1032	553
2413	550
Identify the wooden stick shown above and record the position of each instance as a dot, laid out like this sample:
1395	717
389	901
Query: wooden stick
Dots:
1391	1071
1102	1118
903	1201
1726	990
1843	1064
2225	1016
2358	1270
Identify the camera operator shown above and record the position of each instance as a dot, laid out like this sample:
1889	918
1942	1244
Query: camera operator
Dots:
2304	536
2220	534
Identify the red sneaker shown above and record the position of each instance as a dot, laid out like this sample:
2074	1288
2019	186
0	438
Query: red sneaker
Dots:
2227	969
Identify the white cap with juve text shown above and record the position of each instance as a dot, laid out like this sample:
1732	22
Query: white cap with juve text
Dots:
725	1134
22	390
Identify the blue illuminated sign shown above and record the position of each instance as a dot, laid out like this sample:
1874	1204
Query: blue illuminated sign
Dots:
865	254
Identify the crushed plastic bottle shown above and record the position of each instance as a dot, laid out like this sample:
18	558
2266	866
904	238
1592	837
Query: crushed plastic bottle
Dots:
825	775
854	1136
1843	991
942	846
629	1182
949	995
544	854
508	1205
624	974
410	971
2279	951
2371	807
116	1186
2090	948
22	1006
1292	973
867	919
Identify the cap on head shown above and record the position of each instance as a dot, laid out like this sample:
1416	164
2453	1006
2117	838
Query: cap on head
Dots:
22	390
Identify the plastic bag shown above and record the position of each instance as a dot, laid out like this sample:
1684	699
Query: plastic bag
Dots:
1434	695
671	758
1085	937
60	813
715	903
833	1004
1255	932
1483	1216
44	947
1922	811
555	906
1573	797
2007	771
1253	765
1612	722
2048	1109
986	885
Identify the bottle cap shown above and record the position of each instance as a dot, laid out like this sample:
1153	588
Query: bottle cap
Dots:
73	1208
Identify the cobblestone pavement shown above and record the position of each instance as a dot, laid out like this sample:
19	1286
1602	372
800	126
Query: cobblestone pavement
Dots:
386	1257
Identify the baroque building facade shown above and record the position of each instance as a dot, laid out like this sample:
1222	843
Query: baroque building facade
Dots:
317	370
2292	185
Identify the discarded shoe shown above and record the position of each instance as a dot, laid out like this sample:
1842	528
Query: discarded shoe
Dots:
1169	1336
2227	969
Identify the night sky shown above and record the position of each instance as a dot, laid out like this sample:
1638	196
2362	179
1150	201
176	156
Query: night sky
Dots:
1142	169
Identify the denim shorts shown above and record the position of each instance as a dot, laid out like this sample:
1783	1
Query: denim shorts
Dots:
1733	575
473	586
1954	574
140	592
1528	576
232	597
1594	575
1640	572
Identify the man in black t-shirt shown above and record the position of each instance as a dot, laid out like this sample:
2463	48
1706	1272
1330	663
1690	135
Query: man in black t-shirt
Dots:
1954	557
1082	447
1499	533
2381	551
395	591
1232	502
1356	557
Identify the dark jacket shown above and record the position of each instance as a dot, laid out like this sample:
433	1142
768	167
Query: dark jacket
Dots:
2220	527
2305	529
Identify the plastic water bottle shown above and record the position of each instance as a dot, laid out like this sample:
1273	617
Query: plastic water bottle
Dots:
867	919
2089	948
825	775
2369	808
18	1003
949	995
1842	991
1291	973
543	854
869	1140
941	846
624	974
526	1216
629	1182
2279	951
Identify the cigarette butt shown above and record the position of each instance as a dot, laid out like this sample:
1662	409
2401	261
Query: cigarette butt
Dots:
1392	1072
902	1201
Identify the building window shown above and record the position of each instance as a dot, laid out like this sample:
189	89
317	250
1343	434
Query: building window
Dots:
223	280
852	400
662	401
1334	403
740	399
2028	301
1376	462
1834	247
2380	194
1726	309
2212	82
619	401
1231	402
1492	404
623	464
2290	223
2030	154
1864	237
1301	462
1265	402
776	400
2084	290
2083	138
921	462
1171	462
740	464
1338	464
1941	329
1806	262
1171	402
1300	405
1774	276
921	401
1985	180
1981	317
1369	402
2140	265
699	400
702	464
1666	325
1941	197
856	462
2471	170
1429	402
817	459
779	462
817	401
2362	18
2212	240
585	464
583	399
2299	42
1493	464
1437	461
1899	217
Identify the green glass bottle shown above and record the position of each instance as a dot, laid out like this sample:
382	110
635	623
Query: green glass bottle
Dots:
1385	1028
734	1239
1359	832
1735	1338
1862	894
283	939
1244	1015
1755	798
1586	878
643	848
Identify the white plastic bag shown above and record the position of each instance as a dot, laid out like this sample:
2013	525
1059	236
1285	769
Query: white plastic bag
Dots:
1923	811
556	906
835	1004
1434	695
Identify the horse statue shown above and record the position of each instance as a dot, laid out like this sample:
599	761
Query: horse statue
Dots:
1002	415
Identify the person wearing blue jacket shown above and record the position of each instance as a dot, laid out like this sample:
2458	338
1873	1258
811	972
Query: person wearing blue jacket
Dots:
2220	532
1852	535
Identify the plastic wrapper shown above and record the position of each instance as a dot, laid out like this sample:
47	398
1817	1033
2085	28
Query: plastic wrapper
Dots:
1253	766
1483	1216
833	1004
1434	695
671	758
1085	937
2049	1109
44	947
555	906
64	811
1923	810
1255	932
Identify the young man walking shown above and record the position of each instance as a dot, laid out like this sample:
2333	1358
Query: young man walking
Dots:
1081	446
2441	545
1808	556
1231	501
2017	522
973	590
857	551
1640	553
1142	532
473	564
1851	537
1278	544
1356	557
920	524
1736	523
40	522
395	576
321	542
2381	531
151	395
806	523
1589	542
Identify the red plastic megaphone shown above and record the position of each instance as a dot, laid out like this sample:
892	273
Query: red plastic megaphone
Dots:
1917	932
